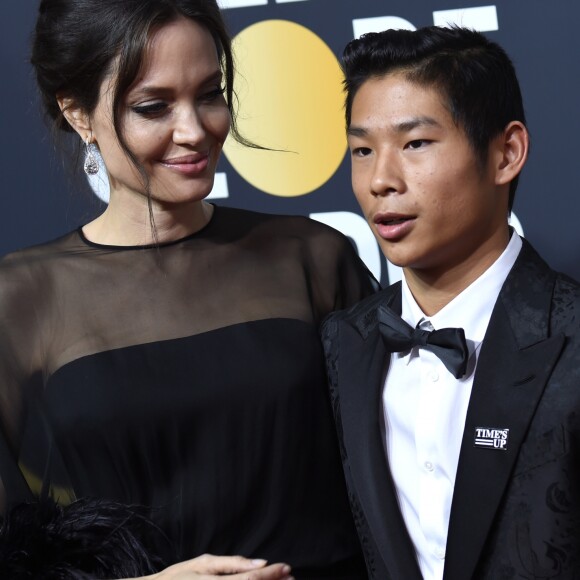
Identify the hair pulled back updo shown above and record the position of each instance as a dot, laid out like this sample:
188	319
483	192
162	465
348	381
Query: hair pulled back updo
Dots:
76	44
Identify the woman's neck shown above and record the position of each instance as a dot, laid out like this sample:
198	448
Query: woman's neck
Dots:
131	225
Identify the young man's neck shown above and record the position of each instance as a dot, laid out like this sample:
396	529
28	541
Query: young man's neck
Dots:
433	289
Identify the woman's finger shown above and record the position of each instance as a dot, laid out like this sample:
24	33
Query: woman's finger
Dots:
272	572
209	567
211	564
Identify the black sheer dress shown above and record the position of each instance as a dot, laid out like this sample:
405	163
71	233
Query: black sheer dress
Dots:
188	378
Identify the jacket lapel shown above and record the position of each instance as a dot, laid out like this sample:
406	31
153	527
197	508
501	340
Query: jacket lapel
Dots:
516	360
362	366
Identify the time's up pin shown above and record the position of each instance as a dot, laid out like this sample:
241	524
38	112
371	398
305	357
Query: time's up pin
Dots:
491	438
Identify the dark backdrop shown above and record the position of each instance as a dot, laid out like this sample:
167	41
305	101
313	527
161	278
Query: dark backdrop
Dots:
42	198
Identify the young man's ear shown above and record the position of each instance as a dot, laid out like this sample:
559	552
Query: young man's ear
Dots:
77	118
511	152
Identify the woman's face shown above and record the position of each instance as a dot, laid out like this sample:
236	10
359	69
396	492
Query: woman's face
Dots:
175	119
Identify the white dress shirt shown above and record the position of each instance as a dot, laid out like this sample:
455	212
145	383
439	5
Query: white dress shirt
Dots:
425	407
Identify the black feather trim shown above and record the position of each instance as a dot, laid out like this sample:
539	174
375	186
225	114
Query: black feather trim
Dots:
88	539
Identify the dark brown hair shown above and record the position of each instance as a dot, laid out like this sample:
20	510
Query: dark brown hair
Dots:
76	44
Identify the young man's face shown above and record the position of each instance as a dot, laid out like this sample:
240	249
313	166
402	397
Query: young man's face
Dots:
429	202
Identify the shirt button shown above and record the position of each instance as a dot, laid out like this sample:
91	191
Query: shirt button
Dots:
434	376
428	466
440	553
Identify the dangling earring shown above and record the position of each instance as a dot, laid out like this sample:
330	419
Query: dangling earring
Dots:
91	165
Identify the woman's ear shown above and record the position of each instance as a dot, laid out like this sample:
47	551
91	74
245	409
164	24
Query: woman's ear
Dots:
512	148
77	118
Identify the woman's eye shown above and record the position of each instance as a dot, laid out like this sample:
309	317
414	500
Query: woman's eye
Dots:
360	151
150	109
214	94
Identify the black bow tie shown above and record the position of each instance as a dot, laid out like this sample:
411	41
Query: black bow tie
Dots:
447	343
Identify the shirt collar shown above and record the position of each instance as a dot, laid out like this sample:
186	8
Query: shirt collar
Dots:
472	308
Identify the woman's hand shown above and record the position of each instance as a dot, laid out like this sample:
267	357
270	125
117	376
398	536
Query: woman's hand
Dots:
207	567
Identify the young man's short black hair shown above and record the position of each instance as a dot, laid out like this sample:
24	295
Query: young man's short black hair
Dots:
474	74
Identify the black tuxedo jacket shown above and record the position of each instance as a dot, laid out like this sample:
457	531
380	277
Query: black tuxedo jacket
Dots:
515	513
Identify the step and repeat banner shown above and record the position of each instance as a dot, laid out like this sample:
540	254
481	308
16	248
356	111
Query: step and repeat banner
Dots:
291	100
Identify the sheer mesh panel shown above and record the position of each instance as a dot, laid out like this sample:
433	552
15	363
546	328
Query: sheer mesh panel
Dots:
186	377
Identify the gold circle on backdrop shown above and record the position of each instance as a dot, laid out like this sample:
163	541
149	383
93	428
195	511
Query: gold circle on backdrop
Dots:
290	98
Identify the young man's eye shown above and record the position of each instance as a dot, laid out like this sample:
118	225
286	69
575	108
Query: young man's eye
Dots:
150	109
360	151
417	144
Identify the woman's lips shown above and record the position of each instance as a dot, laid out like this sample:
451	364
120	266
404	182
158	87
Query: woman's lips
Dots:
392	226
190	165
